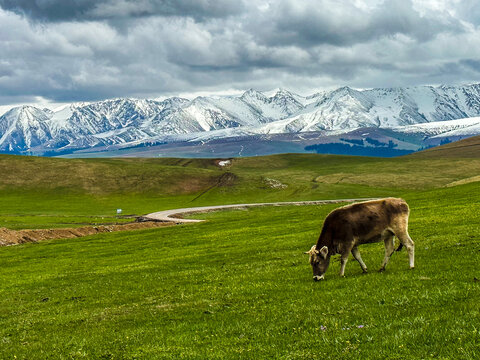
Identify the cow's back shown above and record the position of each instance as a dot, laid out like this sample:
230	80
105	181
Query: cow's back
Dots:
367	218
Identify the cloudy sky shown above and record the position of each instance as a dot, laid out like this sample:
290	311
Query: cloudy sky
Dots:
85	50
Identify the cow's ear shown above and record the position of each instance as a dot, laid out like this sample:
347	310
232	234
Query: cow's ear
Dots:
324	252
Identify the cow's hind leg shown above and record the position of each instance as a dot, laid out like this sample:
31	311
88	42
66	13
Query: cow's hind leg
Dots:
389	250
407	241
356	255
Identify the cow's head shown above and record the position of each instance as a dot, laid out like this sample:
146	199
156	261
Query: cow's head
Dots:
319	260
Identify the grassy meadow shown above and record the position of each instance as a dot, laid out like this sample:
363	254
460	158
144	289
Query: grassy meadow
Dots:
47	193
237	286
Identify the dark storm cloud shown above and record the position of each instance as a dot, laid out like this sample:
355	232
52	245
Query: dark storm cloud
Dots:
85	50
473	64
344	23
86	10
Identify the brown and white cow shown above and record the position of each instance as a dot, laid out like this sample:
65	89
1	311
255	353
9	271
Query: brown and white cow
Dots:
367	222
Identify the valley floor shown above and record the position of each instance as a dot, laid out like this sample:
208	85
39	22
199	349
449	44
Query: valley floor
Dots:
237	286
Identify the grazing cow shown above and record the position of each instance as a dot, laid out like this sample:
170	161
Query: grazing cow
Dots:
367	222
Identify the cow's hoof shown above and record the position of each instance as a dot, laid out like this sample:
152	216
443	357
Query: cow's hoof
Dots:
365	271
382	269
412	267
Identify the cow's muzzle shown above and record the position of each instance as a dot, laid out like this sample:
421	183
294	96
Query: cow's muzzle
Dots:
318	277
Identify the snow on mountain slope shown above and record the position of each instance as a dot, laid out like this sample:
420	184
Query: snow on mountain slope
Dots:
261	105
343	108
346	108
22	128
213	113
107	122
124	121
425	104
110	115
60	116
440	129
289	103
459	127
201	114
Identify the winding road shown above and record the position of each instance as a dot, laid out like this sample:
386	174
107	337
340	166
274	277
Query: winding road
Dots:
170	215
156	219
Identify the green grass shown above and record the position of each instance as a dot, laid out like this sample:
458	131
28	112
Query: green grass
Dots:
239	286
18	222
95	188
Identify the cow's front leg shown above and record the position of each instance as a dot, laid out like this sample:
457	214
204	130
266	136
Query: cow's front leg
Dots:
389	250
356	255
343	262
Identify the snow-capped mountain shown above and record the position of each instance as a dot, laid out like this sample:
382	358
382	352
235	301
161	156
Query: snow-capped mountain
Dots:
450	128
115	122
24	127
346	108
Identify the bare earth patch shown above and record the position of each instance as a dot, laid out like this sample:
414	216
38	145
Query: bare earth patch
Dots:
13	237
274	184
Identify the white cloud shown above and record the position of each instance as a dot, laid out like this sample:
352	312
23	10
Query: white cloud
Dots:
152	48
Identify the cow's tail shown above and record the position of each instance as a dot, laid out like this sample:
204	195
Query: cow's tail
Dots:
399	247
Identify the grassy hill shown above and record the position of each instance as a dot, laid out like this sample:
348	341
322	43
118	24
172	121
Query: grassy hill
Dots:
466	148
46	192
237	286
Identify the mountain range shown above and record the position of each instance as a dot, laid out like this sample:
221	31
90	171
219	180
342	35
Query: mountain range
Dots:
410	117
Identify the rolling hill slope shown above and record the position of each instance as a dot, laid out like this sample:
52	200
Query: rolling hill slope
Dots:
466	148
41	192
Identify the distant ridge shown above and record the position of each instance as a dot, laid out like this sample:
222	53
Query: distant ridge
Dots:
410	117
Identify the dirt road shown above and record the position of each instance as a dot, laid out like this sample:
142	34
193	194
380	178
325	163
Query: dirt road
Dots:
172	215
156	219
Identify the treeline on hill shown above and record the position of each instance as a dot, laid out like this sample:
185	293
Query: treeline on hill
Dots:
357	147
371	141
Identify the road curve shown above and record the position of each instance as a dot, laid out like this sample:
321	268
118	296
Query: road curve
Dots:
170	215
